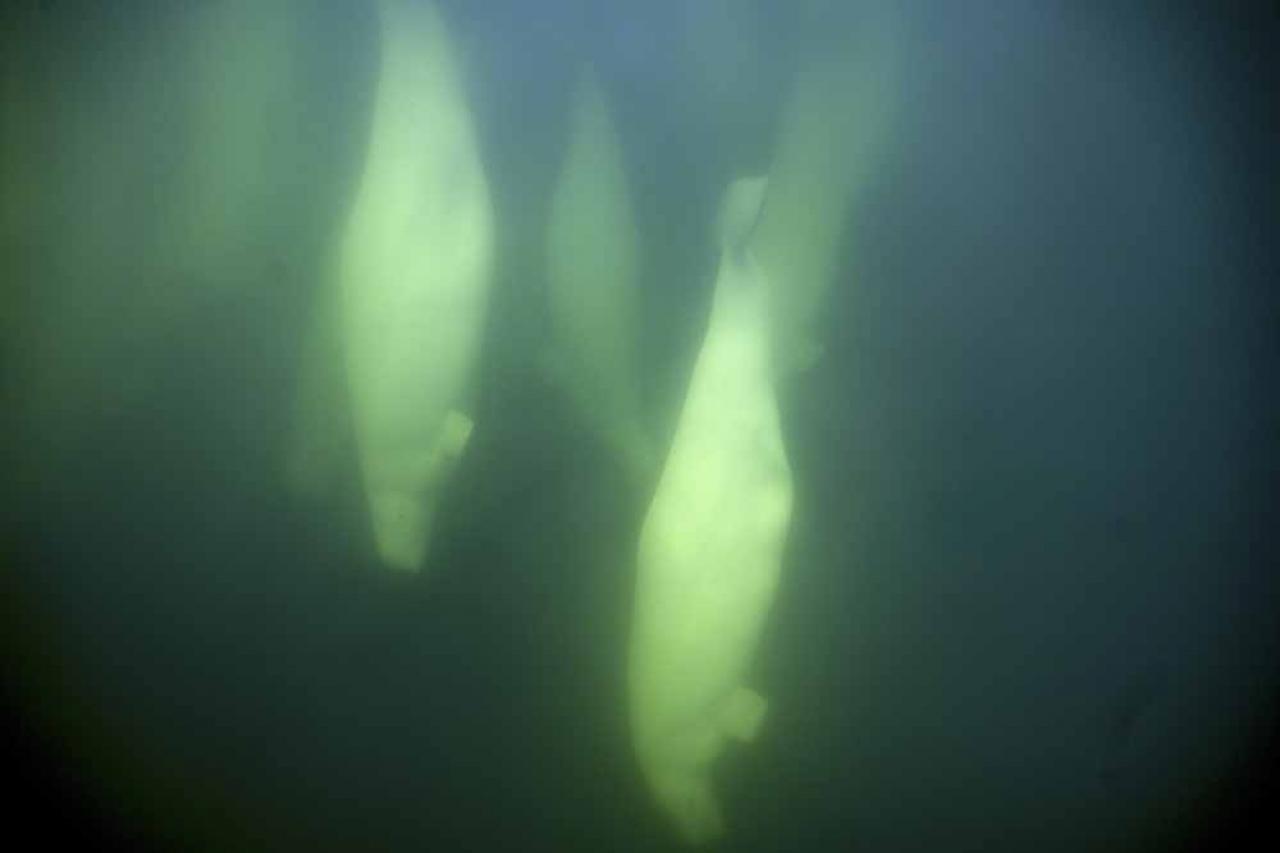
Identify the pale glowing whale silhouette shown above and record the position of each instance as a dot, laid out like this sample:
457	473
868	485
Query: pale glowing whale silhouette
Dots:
711	546
414	273
592	262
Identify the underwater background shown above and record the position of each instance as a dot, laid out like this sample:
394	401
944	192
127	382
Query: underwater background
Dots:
1026	601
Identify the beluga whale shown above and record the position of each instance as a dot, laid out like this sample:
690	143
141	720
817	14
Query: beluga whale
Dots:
414	274
834	131
711	545
592	259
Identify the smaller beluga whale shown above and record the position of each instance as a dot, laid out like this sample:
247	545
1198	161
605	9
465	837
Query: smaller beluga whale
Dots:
414	275
711	546
593	261
834	131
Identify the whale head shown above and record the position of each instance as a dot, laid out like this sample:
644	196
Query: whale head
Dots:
740	211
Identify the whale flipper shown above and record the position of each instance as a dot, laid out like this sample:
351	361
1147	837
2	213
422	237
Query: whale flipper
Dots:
744	714
455	434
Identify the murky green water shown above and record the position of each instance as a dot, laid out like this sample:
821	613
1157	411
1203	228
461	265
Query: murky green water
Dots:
1023	603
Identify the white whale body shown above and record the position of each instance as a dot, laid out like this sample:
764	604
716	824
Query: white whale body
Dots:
592	270
711	546
415	271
